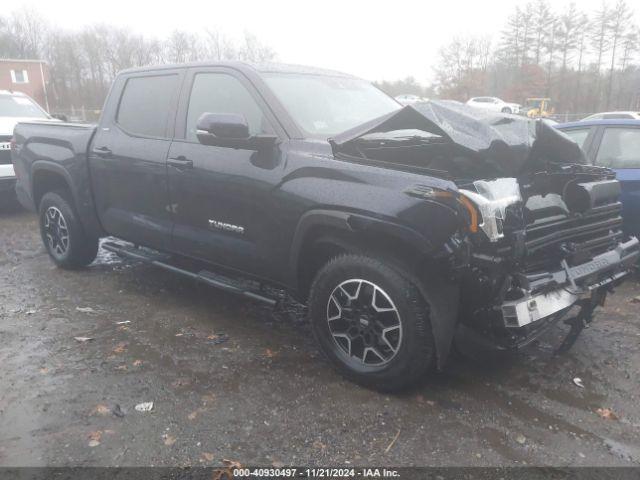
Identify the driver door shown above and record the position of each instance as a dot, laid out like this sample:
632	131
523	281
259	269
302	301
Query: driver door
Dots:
222	199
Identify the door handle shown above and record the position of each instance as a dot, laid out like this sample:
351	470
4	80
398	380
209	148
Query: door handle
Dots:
102	151
180	162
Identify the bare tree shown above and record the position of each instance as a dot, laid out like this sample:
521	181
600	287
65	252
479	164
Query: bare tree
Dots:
618	29
542	19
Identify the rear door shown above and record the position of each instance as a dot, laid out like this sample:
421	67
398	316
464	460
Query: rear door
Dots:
128	157
619	149
223	199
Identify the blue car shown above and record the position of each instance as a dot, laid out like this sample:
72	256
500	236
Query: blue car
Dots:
615	144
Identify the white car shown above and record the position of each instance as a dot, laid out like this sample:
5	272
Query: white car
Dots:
494	104
614	115
14	107
410	99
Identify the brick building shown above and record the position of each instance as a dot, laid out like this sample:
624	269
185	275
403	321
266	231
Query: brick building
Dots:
26	76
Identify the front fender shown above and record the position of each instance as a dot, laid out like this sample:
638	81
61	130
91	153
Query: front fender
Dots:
442	294
352	223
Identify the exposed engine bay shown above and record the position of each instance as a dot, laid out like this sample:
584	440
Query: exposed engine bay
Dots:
543	229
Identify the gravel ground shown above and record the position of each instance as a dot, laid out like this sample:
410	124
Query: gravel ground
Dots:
230	379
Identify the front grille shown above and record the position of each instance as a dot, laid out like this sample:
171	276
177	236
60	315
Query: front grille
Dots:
576	237
5	155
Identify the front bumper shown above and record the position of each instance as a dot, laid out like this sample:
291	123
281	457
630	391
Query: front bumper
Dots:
557	291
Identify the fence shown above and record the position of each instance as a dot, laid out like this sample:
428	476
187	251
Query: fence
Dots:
77	114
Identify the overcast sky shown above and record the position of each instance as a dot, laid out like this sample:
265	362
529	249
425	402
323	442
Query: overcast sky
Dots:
375	40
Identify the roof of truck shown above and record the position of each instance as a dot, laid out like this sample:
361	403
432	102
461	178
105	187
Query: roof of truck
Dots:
267	67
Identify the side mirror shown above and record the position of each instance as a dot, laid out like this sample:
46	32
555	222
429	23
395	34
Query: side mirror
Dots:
230	130
223	125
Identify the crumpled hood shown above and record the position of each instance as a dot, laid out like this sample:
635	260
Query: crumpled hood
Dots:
7	124
494	143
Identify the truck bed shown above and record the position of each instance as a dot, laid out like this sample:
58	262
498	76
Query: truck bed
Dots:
56	148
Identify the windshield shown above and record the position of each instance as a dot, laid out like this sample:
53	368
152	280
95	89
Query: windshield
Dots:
324	106
16	106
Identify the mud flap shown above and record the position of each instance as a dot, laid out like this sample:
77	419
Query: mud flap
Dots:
443	298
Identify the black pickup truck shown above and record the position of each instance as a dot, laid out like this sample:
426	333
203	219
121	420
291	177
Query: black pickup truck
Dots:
401	228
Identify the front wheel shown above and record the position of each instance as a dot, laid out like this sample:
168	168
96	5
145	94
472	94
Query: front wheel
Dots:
371	322
506	110
63	235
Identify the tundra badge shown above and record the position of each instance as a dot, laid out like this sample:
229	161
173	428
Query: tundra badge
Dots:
227	227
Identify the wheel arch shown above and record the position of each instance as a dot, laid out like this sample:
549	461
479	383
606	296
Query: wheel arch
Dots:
47	176
322	235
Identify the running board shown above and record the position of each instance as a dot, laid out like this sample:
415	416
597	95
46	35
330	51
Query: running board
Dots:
161	260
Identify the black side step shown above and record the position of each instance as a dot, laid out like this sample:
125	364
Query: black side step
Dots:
204	276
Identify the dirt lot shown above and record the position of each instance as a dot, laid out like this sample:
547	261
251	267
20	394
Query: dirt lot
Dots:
265	395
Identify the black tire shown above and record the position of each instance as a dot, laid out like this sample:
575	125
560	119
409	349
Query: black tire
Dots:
414	344
506	110
79	249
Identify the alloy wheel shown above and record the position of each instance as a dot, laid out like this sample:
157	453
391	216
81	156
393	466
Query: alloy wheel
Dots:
56	231
364	322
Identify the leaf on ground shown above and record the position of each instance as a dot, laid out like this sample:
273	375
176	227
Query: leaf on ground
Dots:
137	363
168	440
607	414
231	463
318	445
270	353
101	410
44	370
208	399
207	457
121	347
636	299
94	438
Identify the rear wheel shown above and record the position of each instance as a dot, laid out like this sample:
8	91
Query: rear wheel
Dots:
371	322
62	234
506	110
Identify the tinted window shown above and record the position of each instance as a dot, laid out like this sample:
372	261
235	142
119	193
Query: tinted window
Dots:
578	135
222	93
620	148
145	105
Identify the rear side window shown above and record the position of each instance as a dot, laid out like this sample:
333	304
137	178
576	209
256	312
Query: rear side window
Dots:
620	148
578	135
145	105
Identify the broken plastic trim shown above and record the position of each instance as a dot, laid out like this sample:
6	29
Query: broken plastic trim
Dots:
491	199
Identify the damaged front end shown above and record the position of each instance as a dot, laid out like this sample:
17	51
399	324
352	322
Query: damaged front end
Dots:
544	230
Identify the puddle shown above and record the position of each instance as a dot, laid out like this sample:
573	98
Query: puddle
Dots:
105	257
